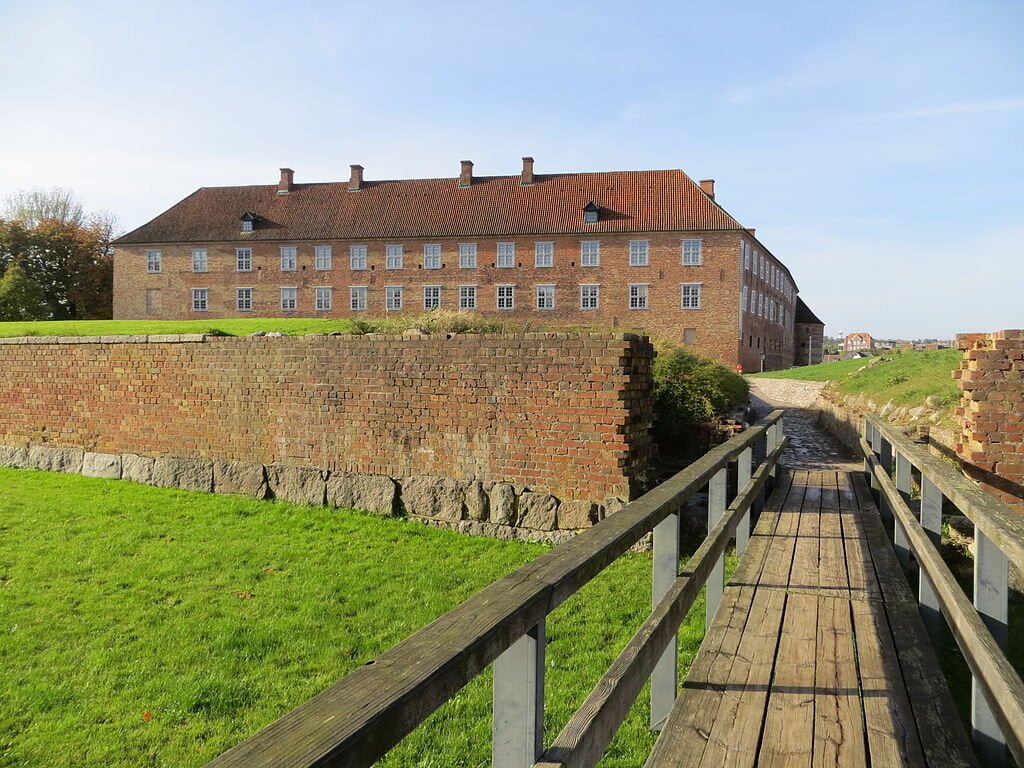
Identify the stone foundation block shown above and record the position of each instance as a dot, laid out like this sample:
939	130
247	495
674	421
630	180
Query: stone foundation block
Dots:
504	510
477	503
299	485
370	493
138	469
186	474
55	459
15	457
106	465
242	478
538	511
435	497
577	514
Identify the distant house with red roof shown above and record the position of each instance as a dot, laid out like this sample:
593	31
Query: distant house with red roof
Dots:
646	250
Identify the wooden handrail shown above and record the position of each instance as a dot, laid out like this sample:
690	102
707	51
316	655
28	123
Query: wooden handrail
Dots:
1002	685
359	718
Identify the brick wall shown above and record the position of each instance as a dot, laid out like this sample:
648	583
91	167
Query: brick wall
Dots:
714	328
564	414
992	412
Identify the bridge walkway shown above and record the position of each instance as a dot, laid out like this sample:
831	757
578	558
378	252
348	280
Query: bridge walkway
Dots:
817	655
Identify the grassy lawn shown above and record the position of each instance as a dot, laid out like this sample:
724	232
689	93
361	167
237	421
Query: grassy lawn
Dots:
154	627
906	378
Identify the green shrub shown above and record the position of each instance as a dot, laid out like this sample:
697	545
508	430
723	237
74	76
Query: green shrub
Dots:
692	389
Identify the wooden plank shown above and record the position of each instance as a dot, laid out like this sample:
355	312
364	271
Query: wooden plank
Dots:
750	565
944	741
860	569
838	718
832	572
789	722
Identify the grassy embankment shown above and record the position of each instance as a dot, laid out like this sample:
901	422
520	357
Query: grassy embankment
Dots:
145	626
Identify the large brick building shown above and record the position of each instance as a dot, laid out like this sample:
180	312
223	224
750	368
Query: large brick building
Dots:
646	250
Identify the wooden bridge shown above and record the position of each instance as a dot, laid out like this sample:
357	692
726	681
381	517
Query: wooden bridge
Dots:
818	652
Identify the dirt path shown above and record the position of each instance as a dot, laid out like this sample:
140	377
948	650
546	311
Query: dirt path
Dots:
810	446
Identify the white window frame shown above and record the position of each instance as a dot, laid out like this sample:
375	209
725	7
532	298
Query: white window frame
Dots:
687	302
639	296
467	255
432	302
544	254
506	255
247	225
639	253
239	300
394	256
289	258
690	259
467	298
358	258
393	298
432	256
358	300
154	262
541	295
200	260
243	259
744	297
201	296
510	300
321	292
584	288
323	258
590	259
294	298
746	255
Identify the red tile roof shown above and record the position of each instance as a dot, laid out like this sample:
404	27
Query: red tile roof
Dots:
630	201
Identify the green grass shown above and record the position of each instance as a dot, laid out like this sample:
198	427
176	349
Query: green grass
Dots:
152	627
906	378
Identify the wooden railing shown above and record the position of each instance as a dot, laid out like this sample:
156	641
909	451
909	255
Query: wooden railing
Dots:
359	718
981	629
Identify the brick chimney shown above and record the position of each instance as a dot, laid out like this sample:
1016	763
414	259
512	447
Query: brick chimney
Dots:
527	177
466	176
355	180
287	182
708	187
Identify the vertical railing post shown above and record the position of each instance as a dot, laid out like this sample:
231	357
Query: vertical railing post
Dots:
990	599
664	678
869	439
716	580
518	726
931	521
742	478
903	485
760	450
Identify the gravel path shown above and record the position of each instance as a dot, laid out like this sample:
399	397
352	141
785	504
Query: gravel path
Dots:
810	446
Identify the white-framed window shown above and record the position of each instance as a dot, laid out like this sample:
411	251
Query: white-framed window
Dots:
357	298
743	298
243	299
243	259
289	299
639	253
746	255
638	296
357	257
590	296
431	296
689	295
324	296
394	257
432	256
764	268
545	297
760	304
590	253
247	225
154	261
322	258
289	258
467	297
506	255
544	254
755	262
506	296
200	299
200	260
693	252
393	298
467	255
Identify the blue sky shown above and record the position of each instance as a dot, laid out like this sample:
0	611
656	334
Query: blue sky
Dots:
878	148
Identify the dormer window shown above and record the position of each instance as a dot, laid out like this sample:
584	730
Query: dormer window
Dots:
249	221
591	213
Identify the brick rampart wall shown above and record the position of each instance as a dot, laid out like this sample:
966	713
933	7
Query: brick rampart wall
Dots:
560	414
992	412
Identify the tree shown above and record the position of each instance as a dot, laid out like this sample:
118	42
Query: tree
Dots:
63	249
21	297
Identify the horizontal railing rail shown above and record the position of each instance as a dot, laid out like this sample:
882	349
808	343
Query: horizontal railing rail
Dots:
981	629
358	719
